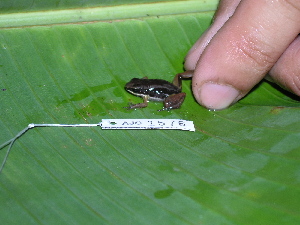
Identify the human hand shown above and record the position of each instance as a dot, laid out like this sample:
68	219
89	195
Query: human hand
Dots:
247	39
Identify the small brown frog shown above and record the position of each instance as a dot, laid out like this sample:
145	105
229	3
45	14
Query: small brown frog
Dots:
158	90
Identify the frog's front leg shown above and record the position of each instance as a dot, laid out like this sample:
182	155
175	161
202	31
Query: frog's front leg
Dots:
185	75
174	101
139	105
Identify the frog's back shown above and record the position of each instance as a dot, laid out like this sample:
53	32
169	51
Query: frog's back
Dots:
161	89
156	89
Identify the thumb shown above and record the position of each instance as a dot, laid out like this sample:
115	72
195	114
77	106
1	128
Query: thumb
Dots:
244	50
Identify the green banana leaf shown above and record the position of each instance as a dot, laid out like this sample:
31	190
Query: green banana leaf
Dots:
67	62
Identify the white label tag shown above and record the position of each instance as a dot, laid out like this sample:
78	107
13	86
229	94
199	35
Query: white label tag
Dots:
165	124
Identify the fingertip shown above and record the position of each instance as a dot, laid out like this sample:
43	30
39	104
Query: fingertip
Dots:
197	49
216	96
192	56
189	64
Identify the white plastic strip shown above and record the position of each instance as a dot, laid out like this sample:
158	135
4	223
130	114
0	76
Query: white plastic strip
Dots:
146	124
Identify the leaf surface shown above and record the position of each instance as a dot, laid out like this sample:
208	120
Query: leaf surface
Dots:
241	166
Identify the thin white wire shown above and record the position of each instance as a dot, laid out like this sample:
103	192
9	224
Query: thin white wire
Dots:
32	125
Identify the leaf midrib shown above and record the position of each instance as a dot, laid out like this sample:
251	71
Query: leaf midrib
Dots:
93	14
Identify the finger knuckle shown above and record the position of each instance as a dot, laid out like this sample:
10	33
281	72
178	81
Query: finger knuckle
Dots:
261	55
291	4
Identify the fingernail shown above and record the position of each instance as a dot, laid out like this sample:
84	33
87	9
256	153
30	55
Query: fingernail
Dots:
216	96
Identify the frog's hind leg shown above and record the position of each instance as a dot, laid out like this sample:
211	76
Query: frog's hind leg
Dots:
139	105
174	101
185	75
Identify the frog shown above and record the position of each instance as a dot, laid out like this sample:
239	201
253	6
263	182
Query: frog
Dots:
158	90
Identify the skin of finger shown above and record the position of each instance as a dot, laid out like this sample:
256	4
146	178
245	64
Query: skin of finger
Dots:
286	71
248	45
225	10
